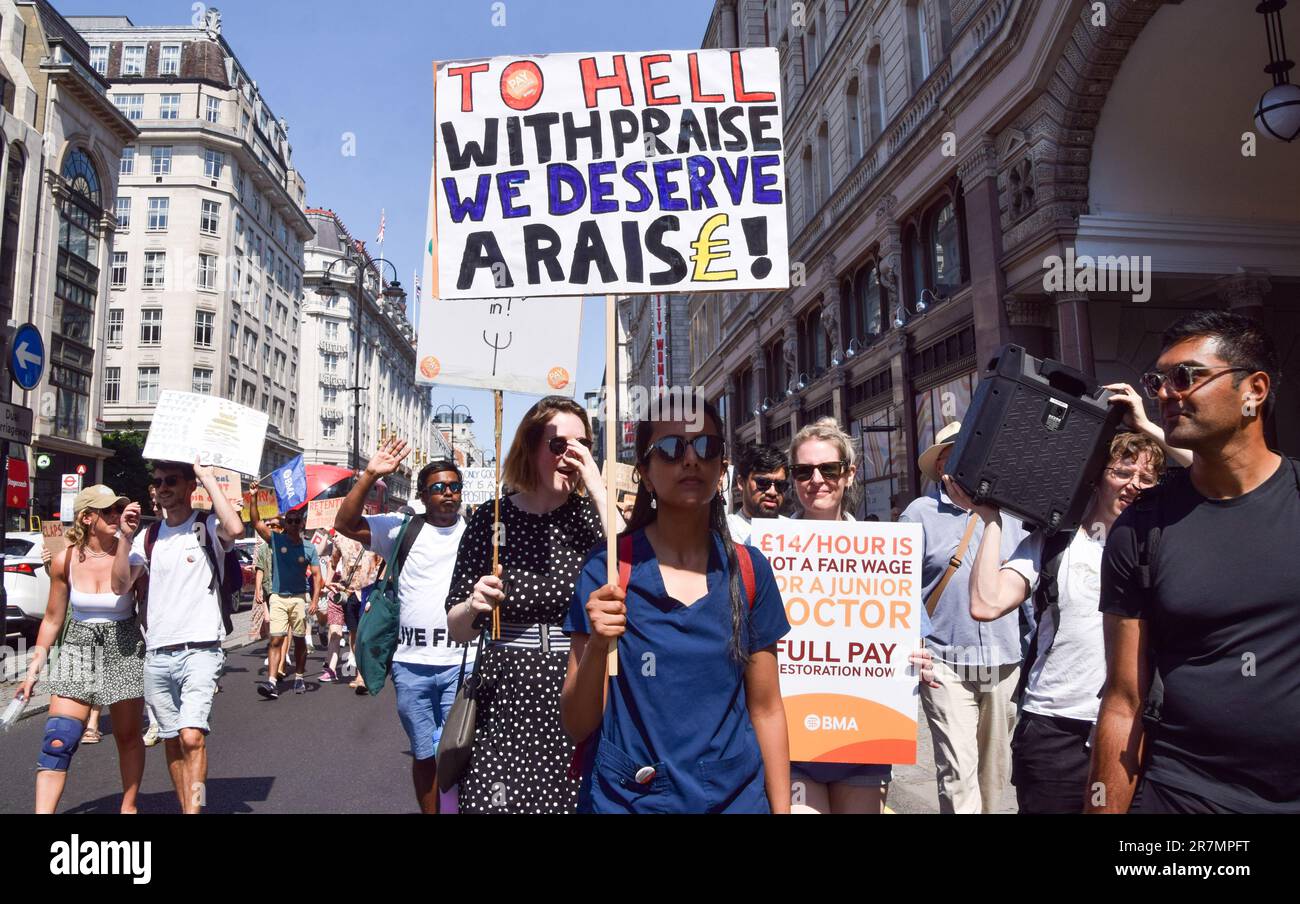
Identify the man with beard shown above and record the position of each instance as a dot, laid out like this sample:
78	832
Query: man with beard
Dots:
1201	581
763	481
426	665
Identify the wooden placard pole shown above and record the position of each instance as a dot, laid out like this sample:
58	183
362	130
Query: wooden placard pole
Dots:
611	449
496	511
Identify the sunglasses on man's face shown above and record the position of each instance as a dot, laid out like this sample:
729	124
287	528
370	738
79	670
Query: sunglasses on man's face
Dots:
831	471
160	482
1181	377
673	448
292	521
437	489
763	484
559	445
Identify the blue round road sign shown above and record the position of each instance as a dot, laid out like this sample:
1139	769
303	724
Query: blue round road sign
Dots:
27	357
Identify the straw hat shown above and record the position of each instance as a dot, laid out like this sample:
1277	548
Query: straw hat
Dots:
929	460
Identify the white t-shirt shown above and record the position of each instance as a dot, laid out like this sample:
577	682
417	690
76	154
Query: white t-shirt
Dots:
422	589
1065	681
742	528
183	607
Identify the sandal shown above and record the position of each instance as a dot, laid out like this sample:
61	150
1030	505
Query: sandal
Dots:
91	736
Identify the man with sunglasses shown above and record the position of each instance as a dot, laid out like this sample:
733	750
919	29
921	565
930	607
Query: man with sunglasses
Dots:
763	482
426	664
1200	581
293	558
184	628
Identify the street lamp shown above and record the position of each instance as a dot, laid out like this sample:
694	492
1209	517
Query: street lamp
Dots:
452	409
392	292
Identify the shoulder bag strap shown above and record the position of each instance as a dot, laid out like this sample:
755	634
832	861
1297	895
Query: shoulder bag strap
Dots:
410	530
953	564
747	573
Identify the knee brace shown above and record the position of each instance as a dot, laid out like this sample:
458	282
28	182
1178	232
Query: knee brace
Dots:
62	737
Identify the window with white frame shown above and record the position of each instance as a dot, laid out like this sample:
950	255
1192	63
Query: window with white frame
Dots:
162	160
159	209
332	330
210	218
169	106
201	383
133	59
329	429
151	326
330	396
213	163
99	58
112	385
131	105
169	60
207	271
117	278
123	210
204	328
126	166
146	385
213	112
116	323
155	269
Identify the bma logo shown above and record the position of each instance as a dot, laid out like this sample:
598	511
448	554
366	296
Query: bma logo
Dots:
830	723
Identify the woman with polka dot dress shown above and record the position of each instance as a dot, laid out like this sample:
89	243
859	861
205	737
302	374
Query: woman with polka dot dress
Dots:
520	762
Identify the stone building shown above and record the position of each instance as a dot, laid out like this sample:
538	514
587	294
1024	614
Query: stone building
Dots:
63	138
943	156
206	274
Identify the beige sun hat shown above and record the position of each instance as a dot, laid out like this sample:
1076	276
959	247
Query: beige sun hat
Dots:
97	497
929	460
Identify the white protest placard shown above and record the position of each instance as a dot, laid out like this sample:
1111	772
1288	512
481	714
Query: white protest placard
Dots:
852	593
478	485
527	345
583	173
216	431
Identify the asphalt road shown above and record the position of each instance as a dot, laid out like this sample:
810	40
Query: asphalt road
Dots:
325	751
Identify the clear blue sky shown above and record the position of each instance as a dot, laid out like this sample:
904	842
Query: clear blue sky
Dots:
331	67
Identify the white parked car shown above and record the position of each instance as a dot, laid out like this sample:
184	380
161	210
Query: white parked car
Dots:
27	583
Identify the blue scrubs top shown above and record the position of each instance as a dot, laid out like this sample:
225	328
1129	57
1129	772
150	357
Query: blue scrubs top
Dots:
678	703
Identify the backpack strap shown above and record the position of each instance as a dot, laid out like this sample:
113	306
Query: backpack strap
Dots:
410	530
1147	534
624	561
150	538
1047	598
209	541
747	573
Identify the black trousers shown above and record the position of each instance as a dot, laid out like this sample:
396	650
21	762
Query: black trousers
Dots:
1154	797
1049	763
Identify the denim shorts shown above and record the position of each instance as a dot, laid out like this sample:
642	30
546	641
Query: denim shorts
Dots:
425	694
179	686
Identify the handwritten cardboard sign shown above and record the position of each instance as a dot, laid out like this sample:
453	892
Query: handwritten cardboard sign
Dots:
216	431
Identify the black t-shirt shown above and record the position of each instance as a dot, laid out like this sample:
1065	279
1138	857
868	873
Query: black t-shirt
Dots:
1223	618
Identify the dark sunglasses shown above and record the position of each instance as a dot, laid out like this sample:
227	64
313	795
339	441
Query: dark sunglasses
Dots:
437	489
766	483
559	445
294	520
831	471
118	510
159	482
1181	377
673	448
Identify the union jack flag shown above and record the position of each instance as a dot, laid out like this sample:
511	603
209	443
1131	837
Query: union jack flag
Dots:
383	224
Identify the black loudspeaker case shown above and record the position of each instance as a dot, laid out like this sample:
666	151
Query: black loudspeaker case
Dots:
1034	440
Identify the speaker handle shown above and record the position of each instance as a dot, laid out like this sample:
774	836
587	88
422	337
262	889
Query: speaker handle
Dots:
1064	377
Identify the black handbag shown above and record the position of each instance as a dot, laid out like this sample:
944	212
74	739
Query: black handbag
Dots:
457	743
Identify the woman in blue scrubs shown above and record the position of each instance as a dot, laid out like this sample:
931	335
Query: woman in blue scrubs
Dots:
693	722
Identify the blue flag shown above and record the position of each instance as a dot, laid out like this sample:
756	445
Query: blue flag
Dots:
291	484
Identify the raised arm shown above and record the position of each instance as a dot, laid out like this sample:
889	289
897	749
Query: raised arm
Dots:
229	526
350	520
255	515
1121	735
123	576
1135	418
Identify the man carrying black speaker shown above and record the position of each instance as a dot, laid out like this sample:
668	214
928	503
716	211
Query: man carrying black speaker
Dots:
1201	580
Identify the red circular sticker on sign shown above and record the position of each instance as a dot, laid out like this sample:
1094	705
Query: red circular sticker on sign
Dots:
521	85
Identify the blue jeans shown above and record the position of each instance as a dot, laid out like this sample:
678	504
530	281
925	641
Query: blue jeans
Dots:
179	686
425	694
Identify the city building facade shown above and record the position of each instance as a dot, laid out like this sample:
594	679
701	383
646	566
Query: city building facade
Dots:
391	403
944	157
63	138
205	281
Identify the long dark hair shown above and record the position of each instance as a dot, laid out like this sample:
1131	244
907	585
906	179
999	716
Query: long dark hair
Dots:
643	515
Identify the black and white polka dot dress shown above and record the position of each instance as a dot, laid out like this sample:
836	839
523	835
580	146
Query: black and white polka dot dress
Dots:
521	754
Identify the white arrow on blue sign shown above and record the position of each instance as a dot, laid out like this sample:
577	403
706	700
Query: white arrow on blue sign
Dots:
27	360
